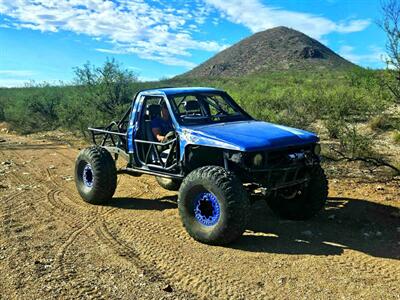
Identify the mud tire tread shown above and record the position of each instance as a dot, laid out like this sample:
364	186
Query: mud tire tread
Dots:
234	202
104	172
306	206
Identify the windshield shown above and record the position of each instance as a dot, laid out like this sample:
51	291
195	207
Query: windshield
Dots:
205	108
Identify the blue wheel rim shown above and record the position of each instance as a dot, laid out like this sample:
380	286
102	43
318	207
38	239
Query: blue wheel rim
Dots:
87	175
206	209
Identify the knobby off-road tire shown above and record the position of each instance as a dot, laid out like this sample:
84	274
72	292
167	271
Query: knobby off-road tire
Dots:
305	205
168	183
95	175
213	205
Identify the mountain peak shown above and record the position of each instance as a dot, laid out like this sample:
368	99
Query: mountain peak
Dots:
279	48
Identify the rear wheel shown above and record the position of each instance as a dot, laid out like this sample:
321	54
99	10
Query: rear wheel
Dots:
95	175
213	205
304	203
169	183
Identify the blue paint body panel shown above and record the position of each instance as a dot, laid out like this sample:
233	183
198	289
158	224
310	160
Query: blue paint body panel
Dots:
249	135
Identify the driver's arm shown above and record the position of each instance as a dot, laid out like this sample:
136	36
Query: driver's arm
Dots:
157	133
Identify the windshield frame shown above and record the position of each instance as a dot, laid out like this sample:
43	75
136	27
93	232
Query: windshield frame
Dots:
207	120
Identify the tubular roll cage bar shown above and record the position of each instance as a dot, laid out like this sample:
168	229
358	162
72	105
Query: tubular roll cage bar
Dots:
115	134
170	162
108	132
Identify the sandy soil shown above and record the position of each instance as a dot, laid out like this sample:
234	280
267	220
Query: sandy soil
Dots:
53	245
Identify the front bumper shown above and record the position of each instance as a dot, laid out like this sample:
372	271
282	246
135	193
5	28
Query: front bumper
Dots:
273	179
279	169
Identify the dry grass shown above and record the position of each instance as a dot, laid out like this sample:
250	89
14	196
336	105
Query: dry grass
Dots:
396	137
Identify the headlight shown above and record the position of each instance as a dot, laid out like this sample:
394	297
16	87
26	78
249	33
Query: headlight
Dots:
258	160
317	149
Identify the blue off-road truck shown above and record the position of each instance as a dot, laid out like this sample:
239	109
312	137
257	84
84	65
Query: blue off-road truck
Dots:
214	153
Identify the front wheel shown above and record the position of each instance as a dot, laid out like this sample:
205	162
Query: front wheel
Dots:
213	205
304	203
95	175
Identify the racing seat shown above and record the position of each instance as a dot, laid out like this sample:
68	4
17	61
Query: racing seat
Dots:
192	107
153	111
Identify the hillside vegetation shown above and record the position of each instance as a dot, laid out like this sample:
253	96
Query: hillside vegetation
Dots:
290	98
336	104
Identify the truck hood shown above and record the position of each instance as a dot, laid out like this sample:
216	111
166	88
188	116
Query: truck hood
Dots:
247	135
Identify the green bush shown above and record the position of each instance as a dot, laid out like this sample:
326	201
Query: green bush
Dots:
354	144
294	98
334	126
396	137
381	122
99	95
34	109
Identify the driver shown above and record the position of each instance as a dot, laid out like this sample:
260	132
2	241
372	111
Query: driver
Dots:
162	127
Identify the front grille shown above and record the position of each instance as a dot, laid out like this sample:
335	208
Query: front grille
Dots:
286	157
284	167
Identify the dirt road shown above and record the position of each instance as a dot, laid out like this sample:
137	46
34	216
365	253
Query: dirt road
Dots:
53	245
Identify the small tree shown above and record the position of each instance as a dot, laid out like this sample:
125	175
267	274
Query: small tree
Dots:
108	86
390	24
100	95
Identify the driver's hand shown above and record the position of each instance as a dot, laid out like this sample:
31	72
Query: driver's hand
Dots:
169	136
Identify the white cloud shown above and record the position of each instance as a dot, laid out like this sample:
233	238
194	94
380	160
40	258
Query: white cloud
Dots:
375	55
157	30
15	78
13	82
130	26
352	26
16	73
257	17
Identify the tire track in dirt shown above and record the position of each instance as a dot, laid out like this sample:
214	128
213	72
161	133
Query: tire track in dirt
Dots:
363	263
169	258
19	224
359	261
7	215
71	217
53	205
16	206
24	206
66	267
169	255
74	218
55	188
130	254
122	249
156	243
193	276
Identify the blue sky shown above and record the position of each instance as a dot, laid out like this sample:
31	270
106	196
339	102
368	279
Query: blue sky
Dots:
44	40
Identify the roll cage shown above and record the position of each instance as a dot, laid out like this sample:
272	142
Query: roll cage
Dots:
120	138
125	137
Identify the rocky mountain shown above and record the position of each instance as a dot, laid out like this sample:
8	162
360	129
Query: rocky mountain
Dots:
279	48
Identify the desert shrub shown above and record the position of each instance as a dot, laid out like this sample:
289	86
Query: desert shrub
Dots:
2	107
298	98
34	109
381	122
396	137
334	126
294	98
354	144
101	94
